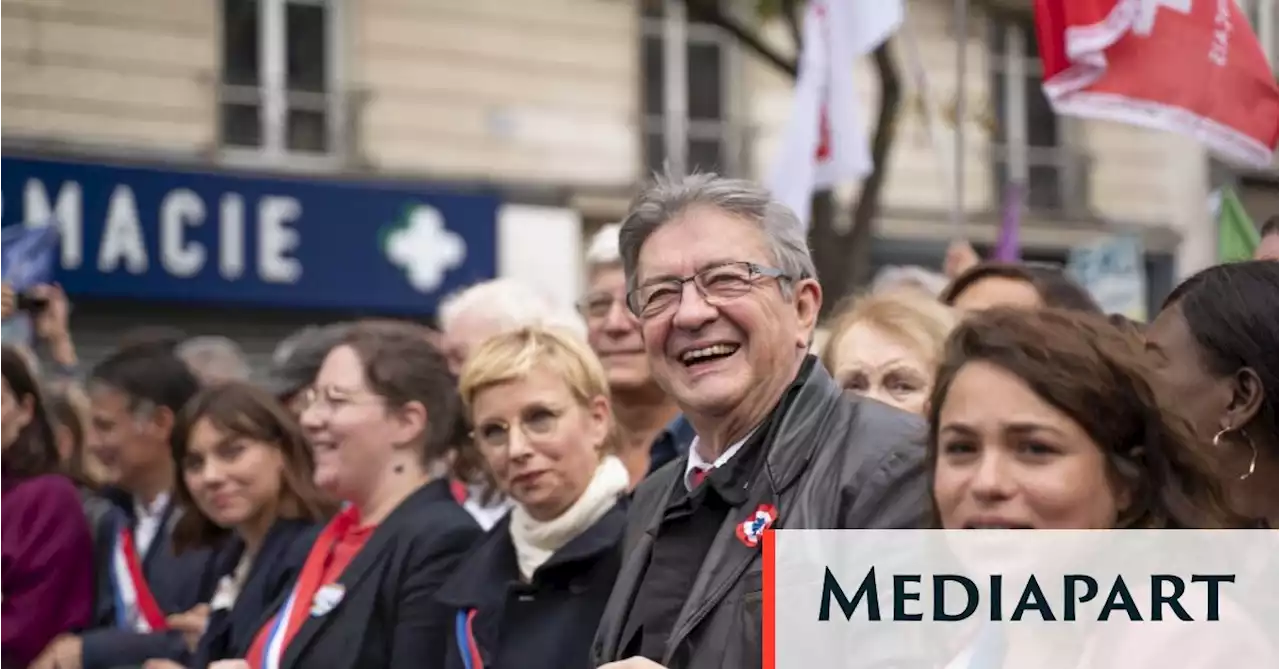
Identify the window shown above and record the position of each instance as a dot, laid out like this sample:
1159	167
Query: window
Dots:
1054	175
1263	16
277	94
710	140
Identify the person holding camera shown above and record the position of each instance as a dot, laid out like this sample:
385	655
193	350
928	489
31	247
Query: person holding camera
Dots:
48	307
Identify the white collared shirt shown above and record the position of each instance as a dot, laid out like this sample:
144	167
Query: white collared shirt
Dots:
697	463
148	518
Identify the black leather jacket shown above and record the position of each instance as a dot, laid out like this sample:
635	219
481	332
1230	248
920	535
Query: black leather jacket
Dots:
836	462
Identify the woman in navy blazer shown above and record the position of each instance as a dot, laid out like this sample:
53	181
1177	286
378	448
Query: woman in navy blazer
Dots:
246	470
382	408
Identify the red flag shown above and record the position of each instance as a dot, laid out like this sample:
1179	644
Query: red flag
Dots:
1194	68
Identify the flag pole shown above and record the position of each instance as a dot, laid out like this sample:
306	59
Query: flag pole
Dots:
1015	105
675	77
961	27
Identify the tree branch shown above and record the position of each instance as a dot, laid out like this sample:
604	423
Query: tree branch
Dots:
864	212
710	12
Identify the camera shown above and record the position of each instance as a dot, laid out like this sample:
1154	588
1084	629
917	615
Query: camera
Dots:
31	304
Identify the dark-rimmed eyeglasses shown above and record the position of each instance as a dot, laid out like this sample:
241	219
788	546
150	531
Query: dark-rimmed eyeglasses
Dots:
717	285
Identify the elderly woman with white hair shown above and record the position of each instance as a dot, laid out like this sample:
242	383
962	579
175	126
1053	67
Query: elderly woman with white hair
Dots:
650	428
474	314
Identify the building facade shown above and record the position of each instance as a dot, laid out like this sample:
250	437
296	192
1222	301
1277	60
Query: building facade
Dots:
254	136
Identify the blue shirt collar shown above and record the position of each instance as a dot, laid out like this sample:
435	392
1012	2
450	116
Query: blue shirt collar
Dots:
672	443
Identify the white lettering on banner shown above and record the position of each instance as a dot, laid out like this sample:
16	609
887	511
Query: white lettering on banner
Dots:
276	239
66	211
179	209
1221	46
122	236
122	242
231	228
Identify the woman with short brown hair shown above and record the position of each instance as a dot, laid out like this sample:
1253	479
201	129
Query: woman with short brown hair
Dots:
381	410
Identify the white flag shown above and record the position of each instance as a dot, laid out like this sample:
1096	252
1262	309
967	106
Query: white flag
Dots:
824	143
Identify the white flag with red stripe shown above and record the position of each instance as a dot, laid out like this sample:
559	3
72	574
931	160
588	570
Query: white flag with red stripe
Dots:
824	143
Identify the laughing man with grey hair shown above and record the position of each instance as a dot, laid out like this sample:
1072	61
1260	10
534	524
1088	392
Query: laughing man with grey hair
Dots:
720	277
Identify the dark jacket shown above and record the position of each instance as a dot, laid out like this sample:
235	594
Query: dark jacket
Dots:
274	569
178	582
388	616
104	519
47	566
832	462
548	622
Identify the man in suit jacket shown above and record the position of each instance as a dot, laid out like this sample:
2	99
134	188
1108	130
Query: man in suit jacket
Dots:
134	396
721	279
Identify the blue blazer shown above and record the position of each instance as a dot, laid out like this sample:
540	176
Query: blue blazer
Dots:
231	631
178	582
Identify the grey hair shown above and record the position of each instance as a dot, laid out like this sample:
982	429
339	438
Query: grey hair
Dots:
210	357
603	250
511	304
670	196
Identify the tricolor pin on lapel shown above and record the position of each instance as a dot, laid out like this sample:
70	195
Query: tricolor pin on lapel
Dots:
327	599
750	530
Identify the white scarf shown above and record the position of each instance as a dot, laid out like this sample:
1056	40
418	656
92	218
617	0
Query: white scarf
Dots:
536	541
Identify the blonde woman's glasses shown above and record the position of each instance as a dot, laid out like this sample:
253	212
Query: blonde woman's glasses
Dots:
537	424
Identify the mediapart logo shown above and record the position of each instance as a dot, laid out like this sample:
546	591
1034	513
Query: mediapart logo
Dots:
420	244
1197	599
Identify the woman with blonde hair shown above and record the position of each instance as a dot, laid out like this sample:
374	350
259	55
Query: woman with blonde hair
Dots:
538	399
886	345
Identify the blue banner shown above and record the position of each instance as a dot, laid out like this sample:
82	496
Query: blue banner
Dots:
153	234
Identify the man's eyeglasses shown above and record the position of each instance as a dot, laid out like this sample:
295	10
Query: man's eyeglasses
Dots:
597	306
717	285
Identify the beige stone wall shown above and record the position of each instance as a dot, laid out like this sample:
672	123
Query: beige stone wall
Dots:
539	93
126	73
526	92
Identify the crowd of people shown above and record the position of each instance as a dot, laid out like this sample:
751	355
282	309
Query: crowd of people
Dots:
539	486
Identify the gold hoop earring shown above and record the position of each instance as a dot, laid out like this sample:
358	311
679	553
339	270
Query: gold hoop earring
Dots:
1253	449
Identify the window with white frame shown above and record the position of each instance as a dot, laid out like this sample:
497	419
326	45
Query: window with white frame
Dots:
1264	16
1055	176
710	141
276	93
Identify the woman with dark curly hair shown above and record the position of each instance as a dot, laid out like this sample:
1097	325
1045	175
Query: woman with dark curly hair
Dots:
1047	419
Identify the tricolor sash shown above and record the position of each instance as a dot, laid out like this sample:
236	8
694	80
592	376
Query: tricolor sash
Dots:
284	626
130	590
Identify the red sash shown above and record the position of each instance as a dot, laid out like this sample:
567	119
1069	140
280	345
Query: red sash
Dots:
267	649
131	586
459	490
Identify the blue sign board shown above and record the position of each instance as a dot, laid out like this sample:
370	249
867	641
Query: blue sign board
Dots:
158	234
